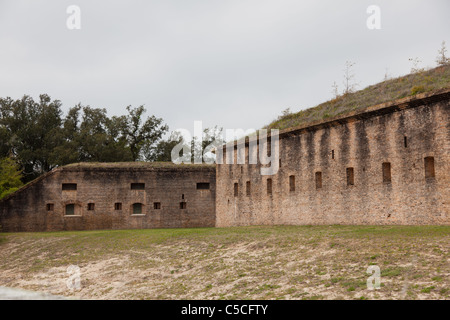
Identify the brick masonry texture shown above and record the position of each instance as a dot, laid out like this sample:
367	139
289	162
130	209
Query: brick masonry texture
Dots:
402	133
108	185
386	164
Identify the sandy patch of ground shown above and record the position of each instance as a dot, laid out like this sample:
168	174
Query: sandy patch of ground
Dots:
270	268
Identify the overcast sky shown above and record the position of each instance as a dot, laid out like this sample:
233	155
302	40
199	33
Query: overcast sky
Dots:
232	63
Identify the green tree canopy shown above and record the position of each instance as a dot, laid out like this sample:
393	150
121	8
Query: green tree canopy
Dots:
141	135
40	138
10	176
31	131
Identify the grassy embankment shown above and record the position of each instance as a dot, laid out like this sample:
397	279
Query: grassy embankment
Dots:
389	90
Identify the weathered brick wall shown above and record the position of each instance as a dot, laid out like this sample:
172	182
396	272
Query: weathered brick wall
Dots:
362	142
104	186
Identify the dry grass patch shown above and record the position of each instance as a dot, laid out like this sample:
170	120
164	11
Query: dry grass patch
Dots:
279	262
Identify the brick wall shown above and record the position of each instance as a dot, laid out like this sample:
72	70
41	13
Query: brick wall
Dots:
348	155
386	164
41	206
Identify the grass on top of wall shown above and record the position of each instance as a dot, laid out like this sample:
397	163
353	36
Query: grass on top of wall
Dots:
389	90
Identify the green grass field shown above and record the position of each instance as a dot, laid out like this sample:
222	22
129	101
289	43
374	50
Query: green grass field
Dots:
264	262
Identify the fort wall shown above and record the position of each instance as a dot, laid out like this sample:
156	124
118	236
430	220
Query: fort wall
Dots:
384	165
125	196
388	164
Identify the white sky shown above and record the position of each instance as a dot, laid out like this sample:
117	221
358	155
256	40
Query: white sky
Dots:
232	63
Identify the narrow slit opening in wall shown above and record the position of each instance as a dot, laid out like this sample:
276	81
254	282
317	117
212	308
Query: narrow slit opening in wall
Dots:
202	186
332	154
429	167
291	183
247	188
182	196
387	172
405	141
242	169
69	186
236	189
318	176
350	177
269	186
137	186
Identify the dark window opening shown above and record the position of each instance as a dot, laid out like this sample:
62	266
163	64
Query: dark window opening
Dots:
291	183
247	188
50	206
405	142
91	206
202	186
332	154
183	205
69	186
350	177
387	172
236	189
242	169
318	180
157	205
117	206
269	186
429	167
279	163
137	186
137	208
70	209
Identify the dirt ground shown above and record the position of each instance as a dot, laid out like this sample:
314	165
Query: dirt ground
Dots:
282	262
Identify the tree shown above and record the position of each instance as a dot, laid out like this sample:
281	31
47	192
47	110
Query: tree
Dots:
4	141
285	113
163	149
349	84
39	138
10	176
335	90
98	138
141	135
415	68
88	135
32	131
211	138
442	59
